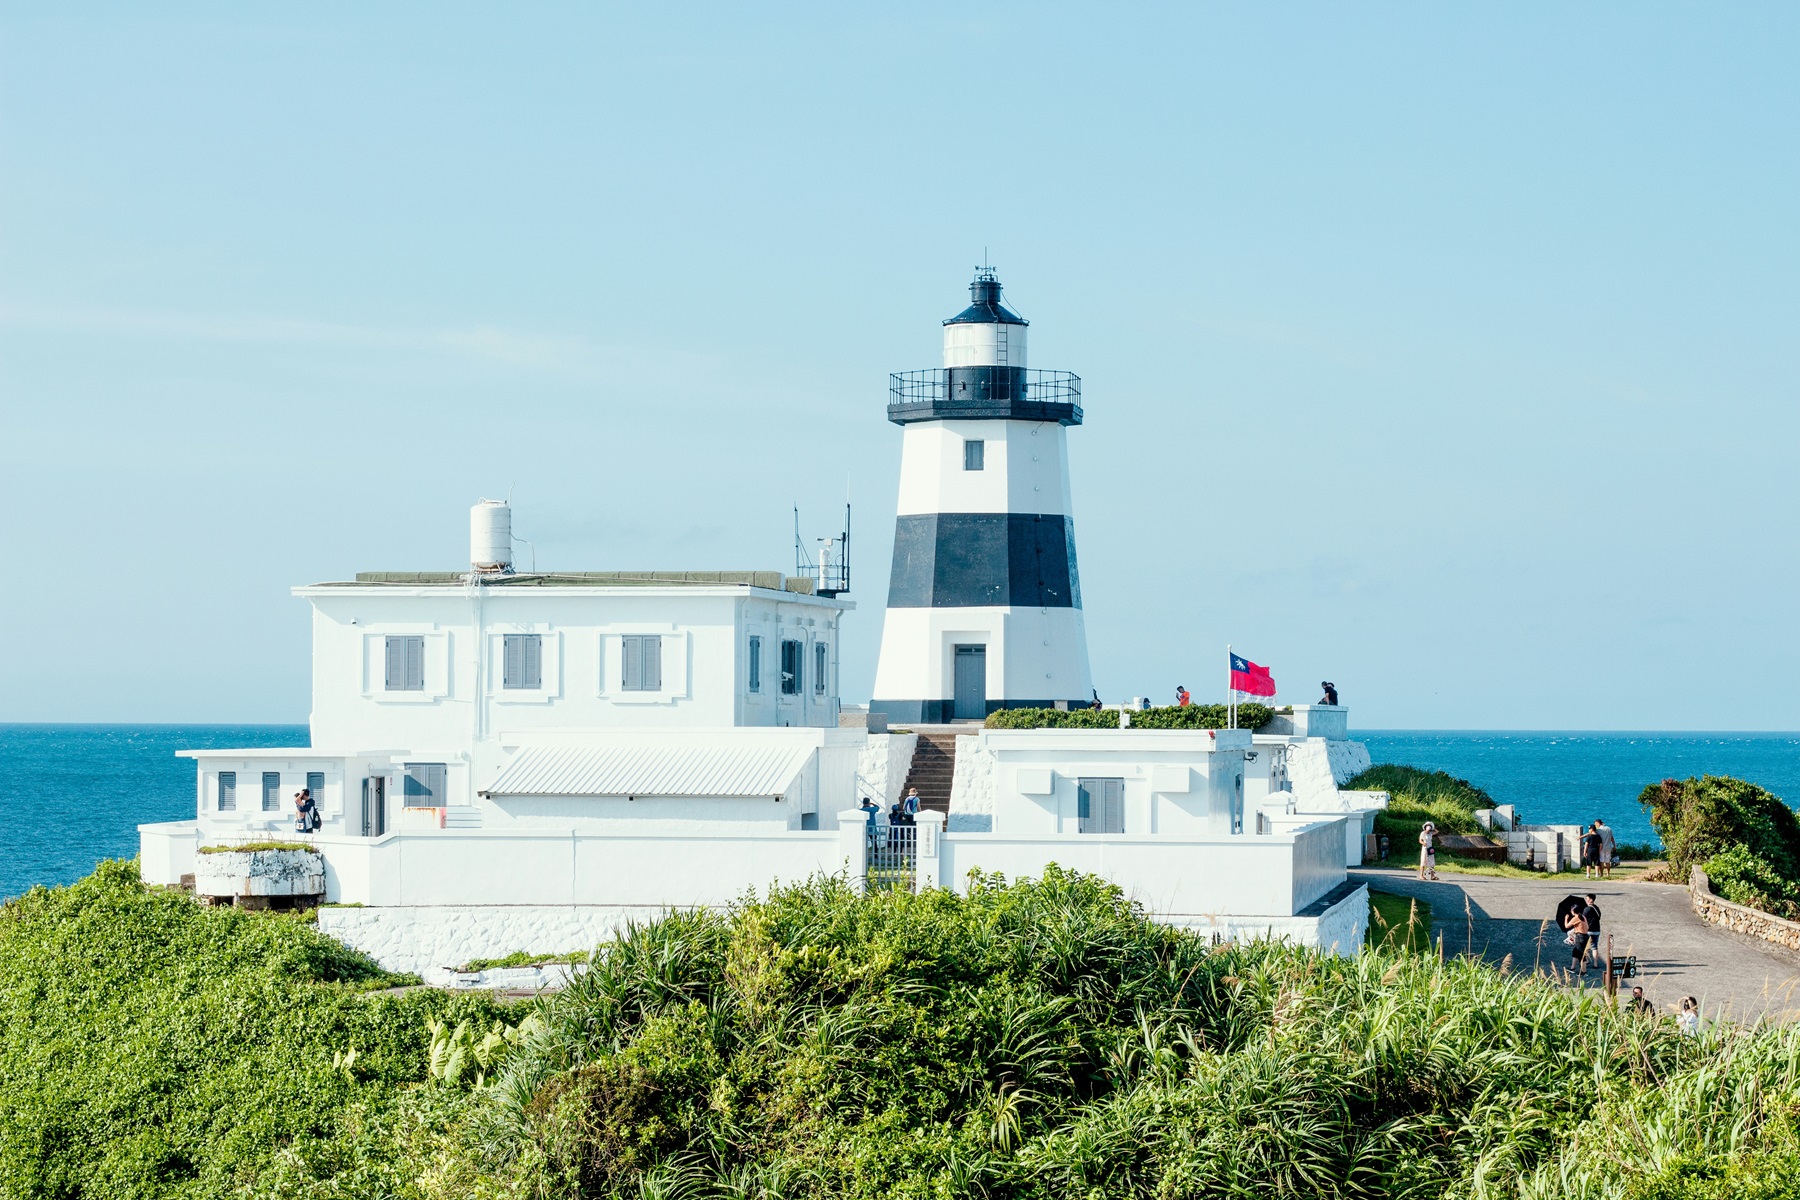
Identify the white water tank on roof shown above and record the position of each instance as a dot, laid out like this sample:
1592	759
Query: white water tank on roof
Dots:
490	537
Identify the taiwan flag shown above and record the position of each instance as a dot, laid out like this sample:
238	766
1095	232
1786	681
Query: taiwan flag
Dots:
1246	676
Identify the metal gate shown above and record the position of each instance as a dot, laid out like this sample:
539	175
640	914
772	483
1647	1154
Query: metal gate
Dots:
893	858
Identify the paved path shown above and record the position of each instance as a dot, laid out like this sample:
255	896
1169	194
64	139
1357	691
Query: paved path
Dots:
1678	953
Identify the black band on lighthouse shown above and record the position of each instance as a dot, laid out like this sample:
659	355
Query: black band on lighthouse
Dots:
984	560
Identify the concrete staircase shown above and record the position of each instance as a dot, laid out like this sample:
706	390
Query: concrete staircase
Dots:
933	767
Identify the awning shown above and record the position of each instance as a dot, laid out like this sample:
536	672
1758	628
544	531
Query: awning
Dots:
696	769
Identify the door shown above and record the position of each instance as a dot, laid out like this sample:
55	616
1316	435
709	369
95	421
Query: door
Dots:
1101	805
970	696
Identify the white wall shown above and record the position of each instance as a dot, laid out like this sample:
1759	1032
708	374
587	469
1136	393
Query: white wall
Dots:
1028	654
166	851
550	867
705	668
977	344
1024	468
882	766
1178	782
1173	877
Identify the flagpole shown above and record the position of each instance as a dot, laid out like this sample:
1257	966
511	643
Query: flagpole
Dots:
1231	702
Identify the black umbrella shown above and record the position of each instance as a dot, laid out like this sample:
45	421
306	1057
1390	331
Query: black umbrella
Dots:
1568	905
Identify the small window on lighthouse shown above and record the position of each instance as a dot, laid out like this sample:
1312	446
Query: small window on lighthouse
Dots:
974	454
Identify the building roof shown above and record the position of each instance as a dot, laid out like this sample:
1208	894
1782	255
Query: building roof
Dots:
985	307
774	581
701	767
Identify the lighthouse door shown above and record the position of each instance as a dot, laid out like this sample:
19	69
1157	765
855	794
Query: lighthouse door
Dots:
970	703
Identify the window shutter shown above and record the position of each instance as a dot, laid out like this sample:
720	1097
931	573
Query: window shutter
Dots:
756	664
532	661
633	678
512	673
653	664
227	791
396	668
819	667
415	664
425	785
271	801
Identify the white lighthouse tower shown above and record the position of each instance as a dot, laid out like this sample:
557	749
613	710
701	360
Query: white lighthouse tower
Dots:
984	605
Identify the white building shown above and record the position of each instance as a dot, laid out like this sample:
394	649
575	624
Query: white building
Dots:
523	761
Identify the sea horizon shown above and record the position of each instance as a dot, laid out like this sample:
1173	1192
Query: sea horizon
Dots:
73	792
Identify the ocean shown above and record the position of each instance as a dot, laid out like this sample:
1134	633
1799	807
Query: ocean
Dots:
71	795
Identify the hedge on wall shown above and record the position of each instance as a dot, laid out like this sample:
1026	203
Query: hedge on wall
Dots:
1196	716
1202	716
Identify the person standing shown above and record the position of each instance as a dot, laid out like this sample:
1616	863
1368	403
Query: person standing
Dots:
1688	1019
869	813
1576	924
1607	846
306	813
910	805
1637	1006
1590	852
1428	851
1590	913
1182	699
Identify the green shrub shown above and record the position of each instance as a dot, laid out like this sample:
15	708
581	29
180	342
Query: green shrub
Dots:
1202	716
1699	819
251	846
1044	1040
1053	718
1195	716
1743	878
1026	1041
153	1047
1416	796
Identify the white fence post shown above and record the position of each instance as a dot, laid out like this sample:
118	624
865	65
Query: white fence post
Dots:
853	842
927	868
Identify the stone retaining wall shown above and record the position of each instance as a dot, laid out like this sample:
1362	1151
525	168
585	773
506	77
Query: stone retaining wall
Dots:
1736	917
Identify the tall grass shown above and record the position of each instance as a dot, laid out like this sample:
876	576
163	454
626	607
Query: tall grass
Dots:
1043	1039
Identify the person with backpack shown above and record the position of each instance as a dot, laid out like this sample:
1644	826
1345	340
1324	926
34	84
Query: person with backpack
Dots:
306	813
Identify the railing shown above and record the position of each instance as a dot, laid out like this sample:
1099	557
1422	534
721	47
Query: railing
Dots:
893	858
1033	386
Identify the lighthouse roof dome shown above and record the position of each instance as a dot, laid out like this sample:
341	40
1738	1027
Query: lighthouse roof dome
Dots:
984	303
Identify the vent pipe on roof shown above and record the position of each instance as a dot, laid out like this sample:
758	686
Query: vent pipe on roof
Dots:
490	538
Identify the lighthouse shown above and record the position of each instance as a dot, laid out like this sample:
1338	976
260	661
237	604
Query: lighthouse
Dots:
984	603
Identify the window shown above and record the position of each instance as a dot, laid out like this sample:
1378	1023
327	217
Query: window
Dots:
974	454
425	785
643	663
523	665
819	667
790	668
315	786
271	791
227	791
756	664
1100	805
406	664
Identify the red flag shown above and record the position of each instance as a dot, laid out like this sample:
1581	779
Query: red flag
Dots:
1246	676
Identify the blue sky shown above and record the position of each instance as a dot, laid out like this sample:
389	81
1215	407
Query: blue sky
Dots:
1448	354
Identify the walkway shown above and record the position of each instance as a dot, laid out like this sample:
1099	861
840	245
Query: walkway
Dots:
1678	953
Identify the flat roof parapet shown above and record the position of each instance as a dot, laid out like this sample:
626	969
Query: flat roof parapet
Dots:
773	581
